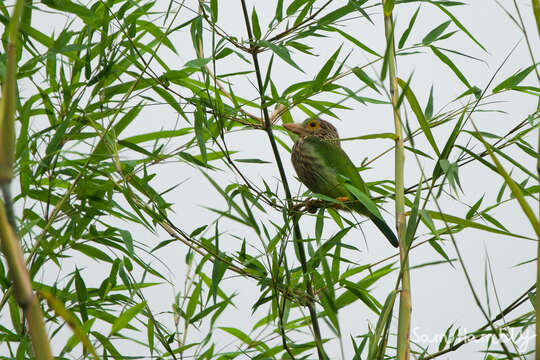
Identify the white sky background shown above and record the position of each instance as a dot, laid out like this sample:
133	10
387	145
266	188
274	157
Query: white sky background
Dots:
440	294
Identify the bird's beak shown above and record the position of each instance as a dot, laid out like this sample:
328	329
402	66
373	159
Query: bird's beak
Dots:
296	128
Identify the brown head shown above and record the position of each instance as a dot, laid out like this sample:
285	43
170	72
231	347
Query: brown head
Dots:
314	127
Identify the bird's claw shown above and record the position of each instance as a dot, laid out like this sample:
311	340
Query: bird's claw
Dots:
311	205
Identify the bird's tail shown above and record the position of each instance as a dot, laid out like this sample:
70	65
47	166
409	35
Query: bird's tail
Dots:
385	229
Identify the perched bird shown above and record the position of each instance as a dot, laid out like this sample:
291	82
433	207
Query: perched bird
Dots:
318	160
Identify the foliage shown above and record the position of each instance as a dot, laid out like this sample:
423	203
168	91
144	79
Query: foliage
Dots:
132	114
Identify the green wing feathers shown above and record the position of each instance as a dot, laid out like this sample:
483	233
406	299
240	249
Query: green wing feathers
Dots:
333	161
329	161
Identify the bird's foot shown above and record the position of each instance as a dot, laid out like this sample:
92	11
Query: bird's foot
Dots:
309	205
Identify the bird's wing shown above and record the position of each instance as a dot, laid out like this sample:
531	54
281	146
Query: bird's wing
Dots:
334	161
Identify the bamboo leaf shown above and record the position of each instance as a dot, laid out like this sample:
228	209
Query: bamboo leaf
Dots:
437	171
255	24
322	76
69	319
214	10
415	107
124	319
199	133
355	41
514	80
458	24
337	14
470	224
365	78
280	51
239	334
435	33
407	32
445	59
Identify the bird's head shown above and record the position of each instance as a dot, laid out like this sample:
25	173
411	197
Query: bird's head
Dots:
314	127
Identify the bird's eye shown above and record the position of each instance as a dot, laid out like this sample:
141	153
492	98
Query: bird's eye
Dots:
312	124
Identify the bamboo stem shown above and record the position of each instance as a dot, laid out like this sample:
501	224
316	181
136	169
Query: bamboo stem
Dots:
11	249
23	293
404	320
536	11
297	235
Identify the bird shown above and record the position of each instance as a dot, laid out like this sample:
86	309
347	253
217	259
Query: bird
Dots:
323	166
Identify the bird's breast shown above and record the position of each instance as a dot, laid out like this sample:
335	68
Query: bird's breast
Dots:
308	165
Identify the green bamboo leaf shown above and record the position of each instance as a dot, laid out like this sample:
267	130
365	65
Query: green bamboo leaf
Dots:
239	334
282	52
127	119
415	107
124	319
470	224
413	218
174	103
365	200
156	32
358	292
92	252
319	224
82	12
337	14
435	33
407	32
199	132
381	329
214	10
327	296
193	301
354	40
128	86
511	160
82	295
428	111
365	78
222	54
300	17
525	207
474	209
199	62
536	11
128	241
106	343
157	135
478	158
514	79
255	24
322	76
445	59
437	171
336	261
279	11
218	270
220	306
150	335
391	136
294	6
253	161
69	319
457	23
